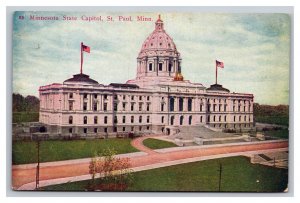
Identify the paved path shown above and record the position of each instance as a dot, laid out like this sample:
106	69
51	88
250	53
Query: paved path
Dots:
138	144
75	168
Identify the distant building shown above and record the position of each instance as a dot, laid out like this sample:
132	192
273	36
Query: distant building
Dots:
158	100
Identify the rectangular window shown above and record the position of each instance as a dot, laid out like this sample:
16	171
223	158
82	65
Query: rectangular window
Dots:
105	119
140	106
160	65
84	106
71	95
70	130
124	106
132	119
132	97
84	130
140	98
148	107
105	96
132	107
70	106
115	119
115	106
124	119
148	98
105	107
162	107
190	104
95	130
170	67
105	130
124	129
95	96
116	97
95	106
148	119
150	66
124	97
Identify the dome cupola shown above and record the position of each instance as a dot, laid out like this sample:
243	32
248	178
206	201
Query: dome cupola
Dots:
158	56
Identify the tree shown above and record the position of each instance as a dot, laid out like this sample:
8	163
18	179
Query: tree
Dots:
110	172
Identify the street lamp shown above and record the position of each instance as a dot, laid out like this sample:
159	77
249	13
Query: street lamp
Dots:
257	184
38	137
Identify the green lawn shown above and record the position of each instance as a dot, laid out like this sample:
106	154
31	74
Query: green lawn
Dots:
157	144
283	133
238	175
19	117
25	151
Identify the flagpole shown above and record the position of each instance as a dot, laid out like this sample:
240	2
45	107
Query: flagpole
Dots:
81	58
216	73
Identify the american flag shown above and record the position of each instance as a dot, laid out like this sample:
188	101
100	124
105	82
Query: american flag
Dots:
86	48
219	64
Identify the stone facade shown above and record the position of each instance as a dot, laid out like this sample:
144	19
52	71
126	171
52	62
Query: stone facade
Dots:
157	100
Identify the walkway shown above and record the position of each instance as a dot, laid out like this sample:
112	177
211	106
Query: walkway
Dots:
138	144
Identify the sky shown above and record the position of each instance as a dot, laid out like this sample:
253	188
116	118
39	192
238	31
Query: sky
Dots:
255	49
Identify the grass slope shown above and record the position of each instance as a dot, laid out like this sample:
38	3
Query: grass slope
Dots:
25	151
157	144
238	175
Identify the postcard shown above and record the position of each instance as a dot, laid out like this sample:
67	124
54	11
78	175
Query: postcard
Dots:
150	101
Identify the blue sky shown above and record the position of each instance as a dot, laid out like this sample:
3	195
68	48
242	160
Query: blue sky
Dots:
255	49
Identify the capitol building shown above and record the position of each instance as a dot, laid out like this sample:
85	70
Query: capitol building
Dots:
158	100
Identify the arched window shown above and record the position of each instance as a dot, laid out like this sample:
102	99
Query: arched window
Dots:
70	119
148	119
181	120
162	119
190	100
214	118
105	119
172	120
150	66
225	118
190	120
85	120
171	106
180	104
132	119
95	120
201	119
140	119
234	118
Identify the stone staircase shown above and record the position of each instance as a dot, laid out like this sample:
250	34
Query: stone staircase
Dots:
190	132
